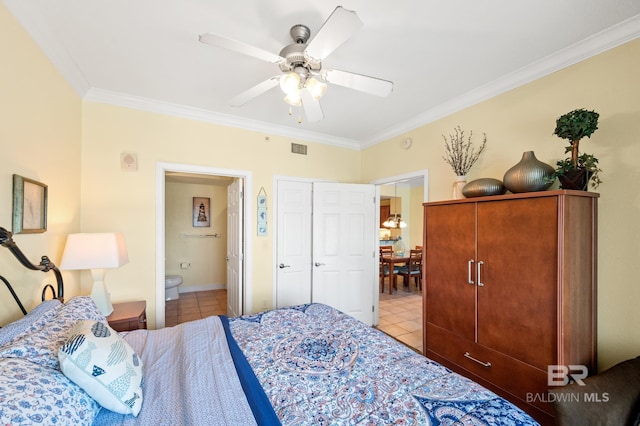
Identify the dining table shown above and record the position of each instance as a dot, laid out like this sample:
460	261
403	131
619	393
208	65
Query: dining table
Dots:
392	260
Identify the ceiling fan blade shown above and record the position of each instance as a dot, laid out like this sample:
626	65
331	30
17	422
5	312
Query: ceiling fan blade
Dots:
240	47
312	108
363	83
255	91
339	26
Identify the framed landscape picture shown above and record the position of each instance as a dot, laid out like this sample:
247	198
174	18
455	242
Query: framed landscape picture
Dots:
29	206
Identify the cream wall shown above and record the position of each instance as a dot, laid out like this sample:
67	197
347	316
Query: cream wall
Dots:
183	243
125	201
523	119
40	139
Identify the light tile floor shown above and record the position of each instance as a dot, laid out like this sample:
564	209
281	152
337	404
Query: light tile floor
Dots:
400	313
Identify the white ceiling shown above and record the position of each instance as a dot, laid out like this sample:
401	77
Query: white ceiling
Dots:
441	55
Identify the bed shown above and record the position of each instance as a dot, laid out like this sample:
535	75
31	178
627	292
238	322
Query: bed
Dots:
302	365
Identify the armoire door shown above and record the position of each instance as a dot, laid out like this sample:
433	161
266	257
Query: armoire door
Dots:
518	245
450	268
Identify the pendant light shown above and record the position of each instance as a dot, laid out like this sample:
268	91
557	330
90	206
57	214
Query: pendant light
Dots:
395	220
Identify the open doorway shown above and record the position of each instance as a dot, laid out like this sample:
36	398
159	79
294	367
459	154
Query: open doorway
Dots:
199	175
400	310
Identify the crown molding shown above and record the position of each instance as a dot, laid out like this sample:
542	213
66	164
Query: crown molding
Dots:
177	110
598	43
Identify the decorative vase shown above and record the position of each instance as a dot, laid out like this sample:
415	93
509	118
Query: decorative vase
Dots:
458	184
529	175
483	187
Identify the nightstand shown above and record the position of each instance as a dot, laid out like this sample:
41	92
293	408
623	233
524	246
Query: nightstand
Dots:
128	316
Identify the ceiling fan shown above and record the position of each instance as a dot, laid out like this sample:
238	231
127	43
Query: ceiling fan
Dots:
303	80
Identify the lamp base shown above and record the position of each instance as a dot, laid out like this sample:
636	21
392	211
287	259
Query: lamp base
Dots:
102	298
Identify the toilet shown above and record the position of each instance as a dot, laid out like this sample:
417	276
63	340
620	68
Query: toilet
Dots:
171	283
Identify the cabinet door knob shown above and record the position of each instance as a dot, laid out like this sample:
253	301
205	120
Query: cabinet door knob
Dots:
469	280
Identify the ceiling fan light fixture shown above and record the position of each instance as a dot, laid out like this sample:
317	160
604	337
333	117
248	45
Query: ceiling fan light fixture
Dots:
289	83
316	88
293	99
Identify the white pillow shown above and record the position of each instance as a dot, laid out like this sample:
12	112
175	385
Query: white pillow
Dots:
102	363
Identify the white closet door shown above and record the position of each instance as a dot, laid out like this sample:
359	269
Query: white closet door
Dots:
344	248
293	257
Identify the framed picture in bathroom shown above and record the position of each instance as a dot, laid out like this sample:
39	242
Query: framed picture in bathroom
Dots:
201	212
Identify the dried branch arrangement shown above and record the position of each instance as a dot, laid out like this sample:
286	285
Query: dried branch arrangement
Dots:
459	153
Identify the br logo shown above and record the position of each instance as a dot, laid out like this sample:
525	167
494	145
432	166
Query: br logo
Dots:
560	375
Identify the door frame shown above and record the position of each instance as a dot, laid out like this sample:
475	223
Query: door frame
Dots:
246	284
424	174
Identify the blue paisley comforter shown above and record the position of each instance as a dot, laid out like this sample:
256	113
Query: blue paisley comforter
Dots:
320	366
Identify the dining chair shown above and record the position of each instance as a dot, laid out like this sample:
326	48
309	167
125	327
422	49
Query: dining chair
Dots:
384	267
413	269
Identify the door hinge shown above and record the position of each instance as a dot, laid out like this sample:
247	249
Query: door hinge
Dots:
373	308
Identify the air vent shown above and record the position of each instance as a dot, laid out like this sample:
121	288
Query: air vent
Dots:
297	148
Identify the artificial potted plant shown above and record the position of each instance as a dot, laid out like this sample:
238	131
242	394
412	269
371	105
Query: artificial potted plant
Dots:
576	172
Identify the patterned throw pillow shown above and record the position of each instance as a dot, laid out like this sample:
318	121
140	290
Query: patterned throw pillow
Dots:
10	331
40	341
102	363
32	394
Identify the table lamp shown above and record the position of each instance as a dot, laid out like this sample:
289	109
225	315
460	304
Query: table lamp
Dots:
97	252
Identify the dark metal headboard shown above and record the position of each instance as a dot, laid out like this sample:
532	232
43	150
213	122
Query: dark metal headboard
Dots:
46	265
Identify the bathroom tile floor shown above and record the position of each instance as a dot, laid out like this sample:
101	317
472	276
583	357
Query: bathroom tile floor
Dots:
195	305
400	313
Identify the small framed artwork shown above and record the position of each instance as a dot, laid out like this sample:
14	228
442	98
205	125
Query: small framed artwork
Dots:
201	212
262	221
29	206
262	213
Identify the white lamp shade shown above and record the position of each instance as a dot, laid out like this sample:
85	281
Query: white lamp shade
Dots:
94	250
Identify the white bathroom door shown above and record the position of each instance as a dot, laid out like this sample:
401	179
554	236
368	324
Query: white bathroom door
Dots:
344	248
293	240
234	248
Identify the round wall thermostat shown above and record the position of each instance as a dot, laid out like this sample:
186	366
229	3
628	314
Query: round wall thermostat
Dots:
406	144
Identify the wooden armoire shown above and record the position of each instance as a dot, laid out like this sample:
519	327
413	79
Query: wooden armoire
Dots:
510	290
